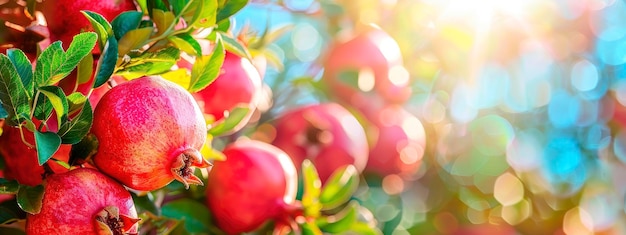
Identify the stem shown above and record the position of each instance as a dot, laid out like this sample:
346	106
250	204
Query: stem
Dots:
32	111
23	138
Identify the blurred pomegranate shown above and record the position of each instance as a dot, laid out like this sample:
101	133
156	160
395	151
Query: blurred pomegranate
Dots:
327	134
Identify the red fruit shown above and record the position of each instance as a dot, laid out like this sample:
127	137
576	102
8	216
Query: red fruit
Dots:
238	84
377	58
257	182
150	131
65	19
21	161
83	201
400	142
328	134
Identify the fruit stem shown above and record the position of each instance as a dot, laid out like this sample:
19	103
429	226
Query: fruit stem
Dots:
183	167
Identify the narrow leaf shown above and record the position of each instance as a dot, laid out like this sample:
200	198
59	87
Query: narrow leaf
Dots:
13	95
312	189
24	68
230	122
143	5
207	68
47	144
230	8
73	131
30	198
342	221
106	64
339	187
232	45
186	43
58	100
178	5
8	186
85	70
100	25
124	22
48	64
163	20
134	39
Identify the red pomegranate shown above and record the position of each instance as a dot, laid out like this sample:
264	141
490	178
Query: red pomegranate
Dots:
150	131
376	57
257	182
83	201
400	142
238	84
328	134
65	20
21	161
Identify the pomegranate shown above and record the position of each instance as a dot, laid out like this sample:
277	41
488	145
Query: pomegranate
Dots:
150	131
328	134
238	84
400	142
21	161
83	201
257	182
377	58
65	19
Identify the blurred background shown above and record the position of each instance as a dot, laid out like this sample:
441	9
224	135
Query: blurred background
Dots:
522	103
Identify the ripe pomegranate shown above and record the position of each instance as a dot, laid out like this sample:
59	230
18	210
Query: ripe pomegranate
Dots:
83	201
400	142
377	58
257	182
65	19
21	161
150	131
238	84
328	134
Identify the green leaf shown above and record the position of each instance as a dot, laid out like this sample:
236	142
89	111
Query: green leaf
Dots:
73	131
3	114
312	189
205	13
8	186
81	46
13	95
339	187
24	68
106	64
178	6
223	26
233	119
58	100
230	8
43	108
143	5
76	101
186	43
124	22
85	70
196	215
310	228
134	39
30	198
47	144
232	45
7	216
151	63
100	25
145	203
163	20
340	222
48	64
207	68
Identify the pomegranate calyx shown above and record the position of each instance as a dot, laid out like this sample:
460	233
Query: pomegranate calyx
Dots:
110	222
183	167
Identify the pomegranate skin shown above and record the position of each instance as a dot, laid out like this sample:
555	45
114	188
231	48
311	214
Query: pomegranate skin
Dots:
21	161
327	134
256	183
400	142
65	20
71	201
238	83
149	131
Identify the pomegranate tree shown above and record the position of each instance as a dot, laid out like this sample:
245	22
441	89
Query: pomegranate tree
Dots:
328	134
83	201
150	132
257	182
